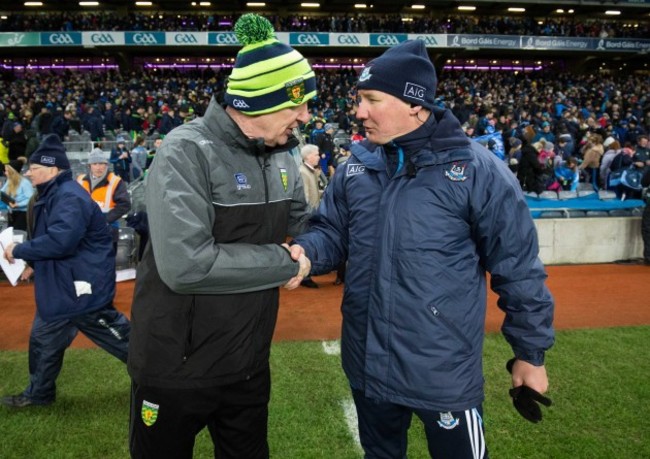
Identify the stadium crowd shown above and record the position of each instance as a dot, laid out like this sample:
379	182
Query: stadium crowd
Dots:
563	110
359	23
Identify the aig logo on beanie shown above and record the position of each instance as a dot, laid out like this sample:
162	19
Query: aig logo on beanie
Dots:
50	153
404	71
268	76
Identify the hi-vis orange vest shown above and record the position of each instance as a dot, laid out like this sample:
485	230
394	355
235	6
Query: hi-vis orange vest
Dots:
102	195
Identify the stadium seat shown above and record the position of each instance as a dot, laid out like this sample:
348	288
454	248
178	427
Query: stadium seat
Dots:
531	194
597	213
582	193
620	213
572	213
606	195
548	194
567	194
552	214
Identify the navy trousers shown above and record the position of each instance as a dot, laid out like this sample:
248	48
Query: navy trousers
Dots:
106	327
383	430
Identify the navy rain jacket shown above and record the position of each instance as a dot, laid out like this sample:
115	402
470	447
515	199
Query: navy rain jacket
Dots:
71	241
418	245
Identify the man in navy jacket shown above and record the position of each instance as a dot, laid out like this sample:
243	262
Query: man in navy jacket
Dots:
421	213
71	252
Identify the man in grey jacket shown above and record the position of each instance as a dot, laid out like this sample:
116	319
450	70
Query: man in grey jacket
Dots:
222	195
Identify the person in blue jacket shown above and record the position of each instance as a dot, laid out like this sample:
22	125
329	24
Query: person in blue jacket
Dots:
70	253
421	213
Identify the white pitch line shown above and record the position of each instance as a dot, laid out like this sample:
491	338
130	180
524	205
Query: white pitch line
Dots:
332	347
350	414
349	410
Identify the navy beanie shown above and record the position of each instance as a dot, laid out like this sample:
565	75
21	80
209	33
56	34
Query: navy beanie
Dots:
51	153
404	71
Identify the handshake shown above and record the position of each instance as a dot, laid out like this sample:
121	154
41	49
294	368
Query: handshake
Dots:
298	255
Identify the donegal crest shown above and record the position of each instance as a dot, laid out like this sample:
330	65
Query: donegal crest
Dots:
295	90
149	413
285	178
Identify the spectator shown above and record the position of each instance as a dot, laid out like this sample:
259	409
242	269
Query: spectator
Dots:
61	124
16	191
531	171
17	142
168	121
73	264
325	144
592	153
93	123
314	183
107	190
612	149
138	157
645	219
641	153
415	301
121	159
568	175
206	296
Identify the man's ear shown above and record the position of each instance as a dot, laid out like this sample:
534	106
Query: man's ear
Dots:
415	109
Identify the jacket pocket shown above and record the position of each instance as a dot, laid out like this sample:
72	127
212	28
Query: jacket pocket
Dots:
452	328
189	329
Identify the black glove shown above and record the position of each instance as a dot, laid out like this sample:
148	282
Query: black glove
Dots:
525	399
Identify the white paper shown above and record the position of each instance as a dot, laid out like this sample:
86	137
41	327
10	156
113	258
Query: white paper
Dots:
11	270
82	288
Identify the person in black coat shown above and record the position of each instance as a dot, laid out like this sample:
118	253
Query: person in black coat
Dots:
530	172
645	219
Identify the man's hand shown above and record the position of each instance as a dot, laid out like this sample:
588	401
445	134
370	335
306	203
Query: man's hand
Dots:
298	254
9	252
27	273
529	383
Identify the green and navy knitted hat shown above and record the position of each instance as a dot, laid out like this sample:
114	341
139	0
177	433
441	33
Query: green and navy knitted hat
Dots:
268	76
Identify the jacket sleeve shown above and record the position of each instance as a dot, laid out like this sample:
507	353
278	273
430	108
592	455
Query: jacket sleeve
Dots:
506	240
326	243
181	217
67	221
122	203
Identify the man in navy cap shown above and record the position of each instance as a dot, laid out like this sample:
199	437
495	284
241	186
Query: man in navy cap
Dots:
421	213
70	253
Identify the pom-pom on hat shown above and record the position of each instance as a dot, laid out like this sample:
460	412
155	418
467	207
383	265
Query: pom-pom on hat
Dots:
50	153
268	76
404	71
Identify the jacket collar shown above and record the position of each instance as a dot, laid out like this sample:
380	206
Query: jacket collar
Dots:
446	142
217	121
45	188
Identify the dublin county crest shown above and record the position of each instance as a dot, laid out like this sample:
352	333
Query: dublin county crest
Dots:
295	90
149	413
447	421
456	173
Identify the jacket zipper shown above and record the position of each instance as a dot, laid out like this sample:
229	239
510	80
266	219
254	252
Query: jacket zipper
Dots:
451	327
187	350
264	165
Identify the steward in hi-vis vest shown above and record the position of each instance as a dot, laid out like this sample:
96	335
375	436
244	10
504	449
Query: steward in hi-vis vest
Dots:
107	189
